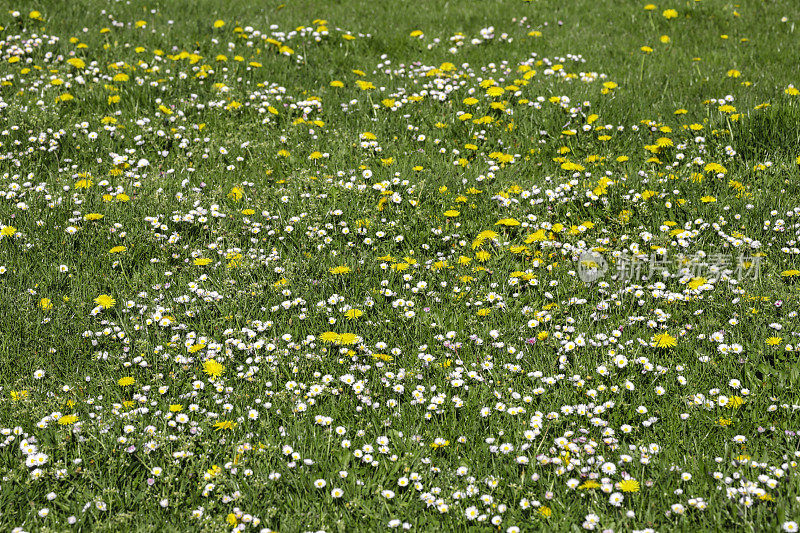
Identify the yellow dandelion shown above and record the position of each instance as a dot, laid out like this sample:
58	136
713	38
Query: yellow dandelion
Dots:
348	338
236	194
629	485
664	340
212	368
67	420
353	313
8	231
330	336
105	301
695	283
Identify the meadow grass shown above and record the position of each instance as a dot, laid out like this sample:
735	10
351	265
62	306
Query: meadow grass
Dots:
356	266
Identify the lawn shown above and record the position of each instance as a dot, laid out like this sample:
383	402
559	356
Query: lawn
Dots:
431	266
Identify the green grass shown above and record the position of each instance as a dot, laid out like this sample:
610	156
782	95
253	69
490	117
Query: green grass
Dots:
234	294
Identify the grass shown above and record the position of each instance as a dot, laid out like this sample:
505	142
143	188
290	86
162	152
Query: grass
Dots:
310	266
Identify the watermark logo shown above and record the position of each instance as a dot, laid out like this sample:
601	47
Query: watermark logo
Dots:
591	266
